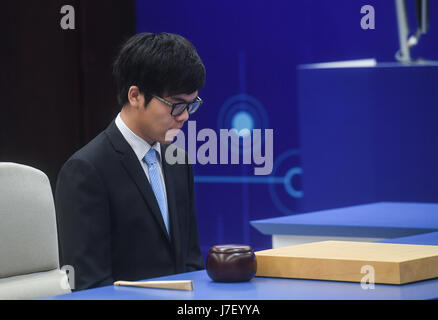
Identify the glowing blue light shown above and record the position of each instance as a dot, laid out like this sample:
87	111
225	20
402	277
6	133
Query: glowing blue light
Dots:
243	123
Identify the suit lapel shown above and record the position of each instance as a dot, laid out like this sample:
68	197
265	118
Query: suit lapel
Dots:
171	203
135	171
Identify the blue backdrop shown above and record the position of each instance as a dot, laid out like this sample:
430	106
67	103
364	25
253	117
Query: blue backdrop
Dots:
251	50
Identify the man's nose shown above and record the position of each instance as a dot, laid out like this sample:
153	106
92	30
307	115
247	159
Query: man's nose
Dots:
183	117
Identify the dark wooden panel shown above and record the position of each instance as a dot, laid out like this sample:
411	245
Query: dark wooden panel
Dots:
56	85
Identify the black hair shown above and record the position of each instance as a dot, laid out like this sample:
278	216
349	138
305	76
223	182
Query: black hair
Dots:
157	64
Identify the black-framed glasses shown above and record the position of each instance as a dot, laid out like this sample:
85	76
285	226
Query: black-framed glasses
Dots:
180	107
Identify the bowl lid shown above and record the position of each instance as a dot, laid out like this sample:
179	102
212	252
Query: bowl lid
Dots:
231	248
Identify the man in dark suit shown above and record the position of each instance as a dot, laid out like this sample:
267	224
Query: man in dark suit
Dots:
123	212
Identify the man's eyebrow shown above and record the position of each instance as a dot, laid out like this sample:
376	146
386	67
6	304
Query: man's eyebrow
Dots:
178	99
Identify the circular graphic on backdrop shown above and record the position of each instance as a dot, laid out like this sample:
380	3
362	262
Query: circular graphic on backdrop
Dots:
285	195
243	122
243	113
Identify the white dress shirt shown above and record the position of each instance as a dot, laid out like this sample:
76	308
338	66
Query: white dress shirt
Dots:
140	148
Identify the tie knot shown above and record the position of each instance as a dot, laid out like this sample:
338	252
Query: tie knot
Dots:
151	157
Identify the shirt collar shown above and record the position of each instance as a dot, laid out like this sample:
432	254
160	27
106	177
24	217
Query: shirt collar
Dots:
140	146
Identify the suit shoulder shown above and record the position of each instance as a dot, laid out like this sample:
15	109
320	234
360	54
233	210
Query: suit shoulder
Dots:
94	152
85	162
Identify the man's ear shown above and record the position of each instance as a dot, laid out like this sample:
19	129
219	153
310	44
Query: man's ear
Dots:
136	99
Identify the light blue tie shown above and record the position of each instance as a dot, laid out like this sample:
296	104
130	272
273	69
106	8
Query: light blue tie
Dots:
154	178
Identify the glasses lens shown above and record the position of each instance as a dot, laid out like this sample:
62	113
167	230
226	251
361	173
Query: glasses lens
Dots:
194	106
191	107
179	108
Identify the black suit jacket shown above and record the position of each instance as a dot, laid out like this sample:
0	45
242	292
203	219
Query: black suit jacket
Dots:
109	223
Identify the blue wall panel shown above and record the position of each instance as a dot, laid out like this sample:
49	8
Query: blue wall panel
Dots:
369	134
251	50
